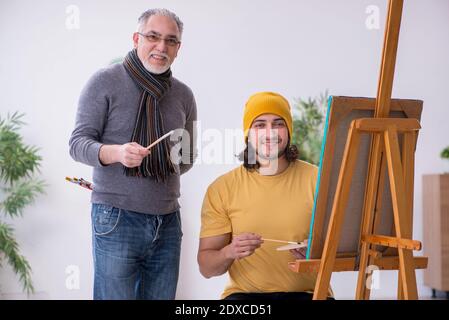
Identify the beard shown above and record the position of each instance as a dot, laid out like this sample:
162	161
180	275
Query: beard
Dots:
254	153
156	69
272	155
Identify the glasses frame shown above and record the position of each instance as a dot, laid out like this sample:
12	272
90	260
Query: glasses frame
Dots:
147	36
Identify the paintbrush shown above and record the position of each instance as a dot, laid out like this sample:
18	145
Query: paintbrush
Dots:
160	139
281	241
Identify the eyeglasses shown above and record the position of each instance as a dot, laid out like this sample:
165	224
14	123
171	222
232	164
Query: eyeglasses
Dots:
171	42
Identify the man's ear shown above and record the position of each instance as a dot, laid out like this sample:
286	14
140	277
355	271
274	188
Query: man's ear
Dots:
135	39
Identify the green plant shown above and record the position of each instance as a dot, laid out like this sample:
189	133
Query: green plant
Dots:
445	153
116	60
18	163
308	126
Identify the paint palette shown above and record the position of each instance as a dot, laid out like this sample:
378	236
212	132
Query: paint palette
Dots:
292	246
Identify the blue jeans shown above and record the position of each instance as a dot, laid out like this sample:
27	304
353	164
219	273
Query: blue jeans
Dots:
136	255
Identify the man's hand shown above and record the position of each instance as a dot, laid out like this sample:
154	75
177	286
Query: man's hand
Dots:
129	154
243	245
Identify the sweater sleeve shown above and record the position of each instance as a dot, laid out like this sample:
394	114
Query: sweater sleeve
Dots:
189	147
85	141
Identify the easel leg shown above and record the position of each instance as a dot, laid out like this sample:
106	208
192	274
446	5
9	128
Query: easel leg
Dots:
372	201
368	213
337	215
362	276
400	209
378	208
400	288
408	166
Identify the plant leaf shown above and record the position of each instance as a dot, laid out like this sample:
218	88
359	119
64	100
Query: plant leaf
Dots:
10	248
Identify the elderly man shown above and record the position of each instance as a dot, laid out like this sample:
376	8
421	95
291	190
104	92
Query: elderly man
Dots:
136	222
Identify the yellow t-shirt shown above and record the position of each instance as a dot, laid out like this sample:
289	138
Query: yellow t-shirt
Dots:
276	207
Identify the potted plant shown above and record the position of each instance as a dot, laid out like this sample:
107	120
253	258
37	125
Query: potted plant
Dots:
445	155
18	188
308	126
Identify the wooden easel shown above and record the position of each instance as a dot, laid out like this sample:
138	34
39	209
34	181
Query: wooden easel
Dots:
385	154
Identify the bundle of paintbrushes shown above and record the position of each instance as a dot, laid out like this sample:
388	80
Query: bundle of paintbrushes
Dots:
81	182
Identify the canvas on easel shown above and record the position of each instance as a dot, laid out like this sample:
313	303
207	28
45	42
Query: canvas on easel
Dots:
363	212
341	112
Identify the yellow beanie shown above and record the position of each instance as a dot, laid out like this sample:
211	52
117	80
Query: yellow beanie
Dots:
266	102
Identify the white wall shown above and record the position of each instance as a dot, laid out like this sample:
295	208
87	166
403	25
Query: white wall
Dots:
230	50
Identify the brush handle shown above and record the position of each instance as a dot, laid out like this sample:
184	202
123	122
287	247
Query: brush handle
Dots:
160	139
281	241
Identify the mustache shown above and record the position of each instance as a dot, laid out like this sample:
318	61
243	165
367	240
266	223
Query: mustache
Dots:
270	140
159	54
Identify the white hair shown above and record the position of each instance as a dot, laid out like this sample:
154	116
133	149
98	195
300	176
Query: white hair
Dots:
159	12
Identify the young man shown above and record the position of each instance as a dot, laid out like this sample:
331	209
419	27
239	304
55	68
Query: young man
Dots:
136	222
270	196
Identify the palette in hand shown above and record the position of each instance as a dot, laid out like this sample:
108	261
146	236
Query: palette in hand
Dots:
291	246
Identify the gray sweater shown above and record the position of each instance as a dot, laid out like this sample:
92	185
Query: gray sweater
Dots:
106	114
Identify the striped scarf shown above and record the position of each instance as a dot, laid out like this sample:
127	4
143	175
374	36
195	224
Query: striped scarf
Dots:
149	125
